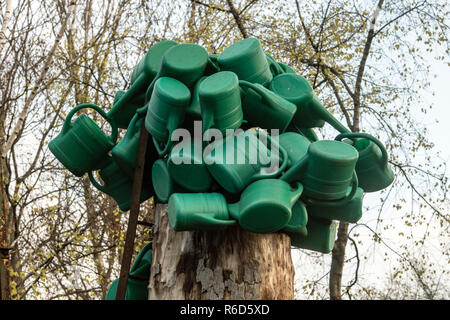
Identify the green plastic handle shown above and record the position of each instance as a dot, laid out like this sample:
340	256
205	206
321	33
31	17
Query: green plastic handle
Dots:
132	128
96	184
172	125
340	202
283	164
137	85
296	193
68	122
384	155
260	90
273	65
293	171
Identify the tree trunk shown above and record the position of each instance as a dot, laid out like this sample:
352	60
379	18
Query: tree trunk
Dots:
229	264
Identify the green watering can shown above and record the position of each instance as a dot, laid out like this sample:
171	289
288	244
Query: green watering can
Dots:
143	74
185	62
187	168
299	219
137	285
220	101
265	109
166	110
246	58
372	168
266	205
320	236
118	185
326	171
126	115
240	159
198	211
163	183
125	152
310	112
82	146
349	212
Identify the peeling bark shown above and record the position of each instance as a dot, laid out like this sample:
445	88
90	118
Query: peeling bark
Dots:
229	264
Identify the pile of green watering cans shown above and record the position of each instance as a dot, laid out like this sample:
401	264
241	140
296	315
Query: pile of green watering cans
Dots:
239	97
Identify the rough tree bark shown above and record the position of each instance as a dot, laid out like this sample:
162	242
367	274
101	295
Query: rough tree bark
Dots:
230	264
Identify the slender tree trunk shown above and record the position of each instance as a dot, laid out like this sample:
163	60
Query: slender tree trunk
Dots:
231	264
338	253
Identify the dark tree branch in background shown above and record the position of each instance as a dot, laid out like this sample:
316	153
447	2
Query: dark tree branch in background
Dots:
237	19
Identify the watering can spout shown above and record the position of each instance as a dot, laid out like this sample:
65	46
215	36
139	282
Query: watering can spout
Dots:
211	221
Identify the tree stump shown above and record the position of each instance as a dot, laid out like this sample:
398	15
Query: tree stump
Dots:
230	264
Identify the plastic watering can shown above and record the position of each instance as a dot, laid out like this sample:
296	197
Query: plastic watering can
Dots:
125	152
310	112
118	185
349	212
166	109
126	113
220	101
162	182
138	280
248	163
185	62
266	205
246	58
326	171
187	168
143	75
82	146
372	168
198	211
321	235
264	109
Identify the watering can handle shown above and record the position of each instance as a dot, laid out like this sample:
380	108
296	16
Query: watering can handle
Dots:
283	164
162	151
273	65
257	89
112	122
341	202
96	184
292	172
384	155
296	193
131	130
172	125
